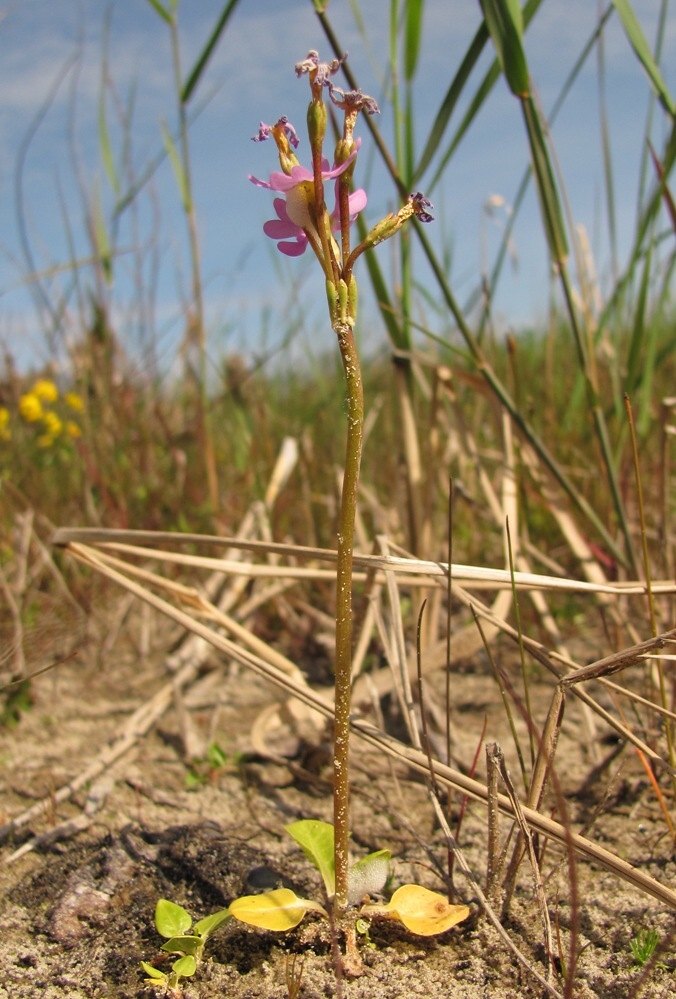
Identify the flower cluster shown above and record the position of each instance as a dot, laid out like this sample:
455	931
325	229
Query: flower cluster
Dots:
303	218
294	226
39	407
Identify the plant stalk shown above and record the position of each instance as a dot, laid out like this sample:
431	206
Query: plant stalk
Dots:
343	668
196	326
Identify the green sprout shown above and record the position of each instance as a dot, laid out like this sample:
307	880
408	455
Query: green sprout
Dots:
187	941
204	771
643	946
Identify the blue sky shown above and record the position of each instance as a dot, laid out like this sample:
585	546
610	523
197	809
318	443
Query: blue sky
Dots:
253	294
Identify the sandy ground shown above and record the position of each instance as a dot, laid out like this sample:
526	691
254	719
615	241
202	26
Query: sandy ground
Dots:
76	912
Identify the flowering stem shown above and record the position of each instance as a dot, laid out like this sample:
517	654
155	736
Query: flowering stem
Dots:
303	220
348	511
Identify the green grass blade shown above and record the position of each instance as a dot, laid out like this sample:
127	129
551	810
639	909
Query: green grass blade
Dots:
643	351
101	238
636	344
550	204
161	10
517	201
475	105
207	51
412	36
638	42
454	92
179	172
666	193
504	21
643	228
105	144
505	25
450	100
505	399
606	153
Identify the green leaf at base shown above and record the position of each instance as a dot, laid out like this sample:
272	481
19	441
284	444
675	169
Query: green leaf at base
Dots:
153	974
185	966
171	920
315	839
183	945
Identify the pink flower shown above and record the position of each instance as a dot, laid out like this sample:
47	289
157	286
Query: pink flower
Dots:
294	221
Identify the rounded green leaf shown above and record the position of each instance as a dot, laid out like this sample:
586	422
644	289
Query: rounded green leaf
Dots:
315	839
185	966
277	910
171	920
183	945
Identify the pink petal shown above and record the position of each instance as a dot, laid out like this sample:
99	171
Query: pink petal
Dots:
278	229
257	182
357	201
292	249
299	173
279	204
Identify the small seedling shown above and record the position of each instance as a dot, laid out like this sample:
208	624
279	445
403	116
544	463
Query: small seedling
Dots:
643	946
18	702
206	770
294	977
188	941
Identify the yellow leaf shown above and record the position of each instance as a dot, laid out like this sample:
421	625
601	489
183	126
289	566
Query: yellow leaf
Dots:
274	910
425	912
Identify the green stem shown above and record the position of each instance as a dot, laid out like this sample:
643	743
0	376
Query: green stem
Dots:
196	330
348	511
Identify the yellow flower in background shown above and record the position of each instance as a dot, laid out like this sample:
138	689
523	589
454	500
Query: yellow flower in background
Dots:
45	390
43	406
74	401
5	432
53	424
30	407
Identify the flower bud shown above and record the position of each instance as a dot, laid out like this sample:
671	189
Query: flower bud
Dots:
344	149
316	123
332	299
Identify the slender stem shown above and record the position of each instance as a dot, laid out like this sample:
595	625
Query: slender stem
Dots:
348	510
196	329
